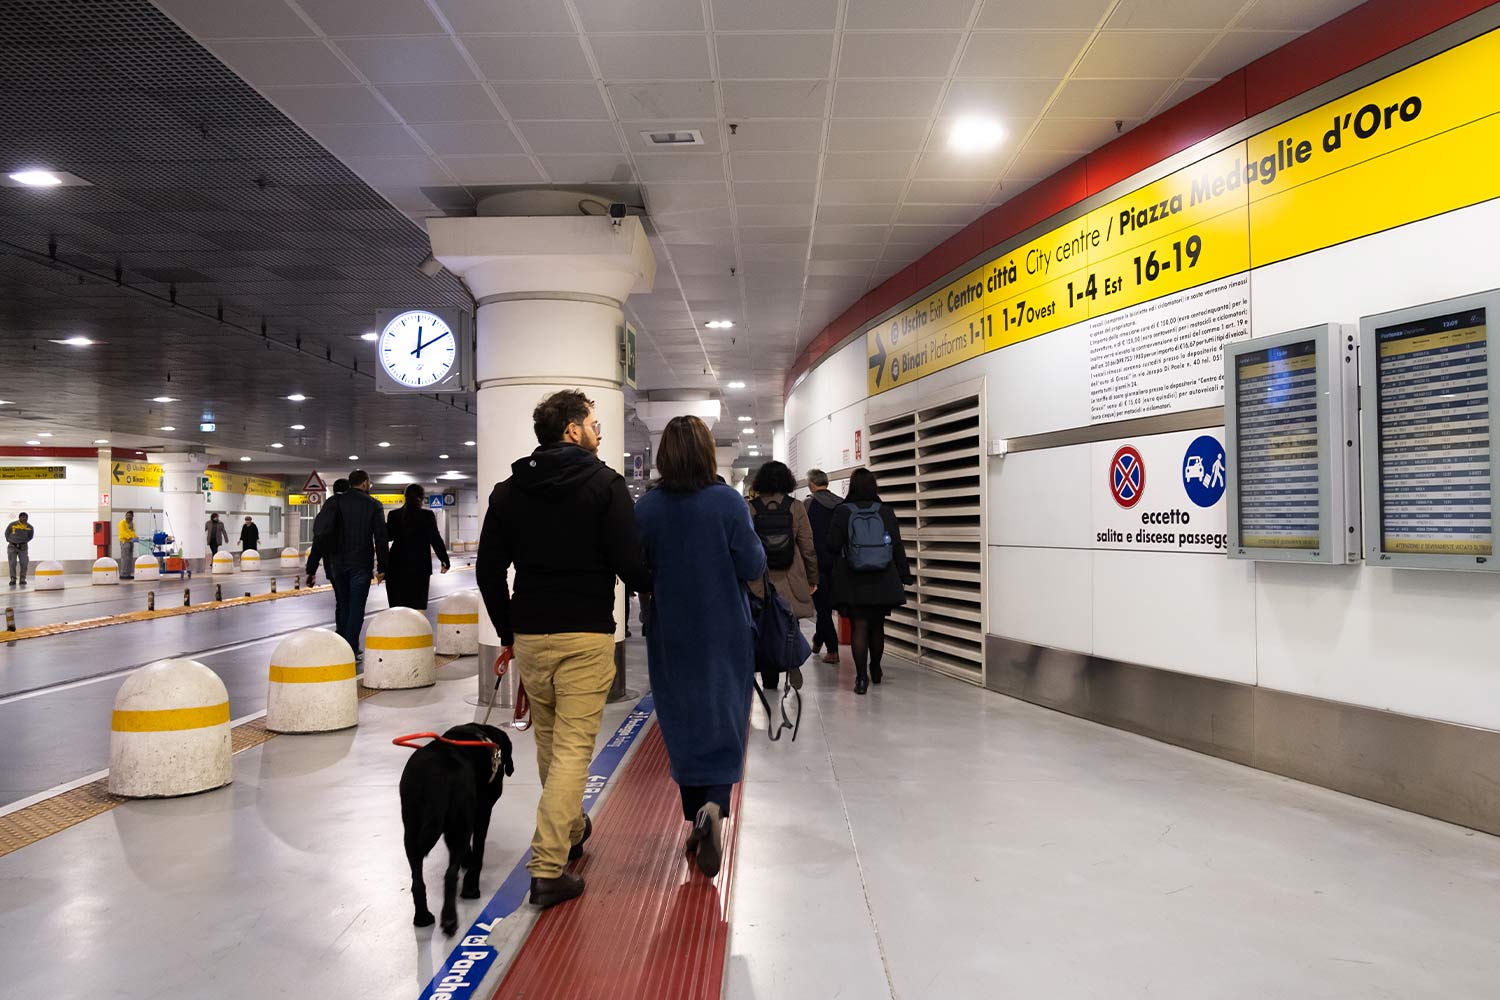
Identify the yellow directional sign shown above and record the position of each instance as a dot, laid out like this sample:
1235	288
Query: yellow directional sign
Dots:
33	472
1418	143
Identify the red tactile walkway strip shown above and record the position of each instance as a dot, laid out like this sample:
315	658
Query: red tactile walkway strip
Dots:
648	925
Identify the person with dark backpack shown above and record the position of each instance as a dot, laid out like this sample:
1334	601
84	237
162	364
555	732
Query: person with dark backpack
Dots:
786	534
870	574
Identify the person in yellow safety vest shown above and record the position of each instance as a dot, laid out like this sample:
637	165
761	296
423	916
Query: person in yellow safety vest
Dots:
127	546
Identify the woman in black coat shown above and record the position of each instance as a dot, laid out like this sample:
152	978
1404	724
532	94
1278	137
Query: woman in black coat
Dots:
866	596
413	534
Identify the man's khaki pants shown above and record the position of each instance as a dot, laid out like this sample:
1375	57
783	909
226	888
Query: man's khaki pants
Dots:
567	677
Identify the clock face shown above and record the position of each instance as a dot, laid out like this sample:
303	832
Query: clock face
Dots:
417	348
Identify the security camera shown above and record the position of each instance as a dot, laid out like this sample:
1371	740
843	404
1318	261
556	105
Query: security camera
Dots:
617	212
430	267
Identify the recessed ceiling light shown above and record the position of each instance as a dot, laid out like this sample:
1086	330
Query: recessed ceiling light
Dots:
296	397
354	458
299	427
166	427
735	385
244	458
101	440
77	342
442	456
627	454
469	443
677	137
720	324
746	420
44	434
163	399
748	430
5	402
278	444
33	442
382	444
369	335
36	178
975	134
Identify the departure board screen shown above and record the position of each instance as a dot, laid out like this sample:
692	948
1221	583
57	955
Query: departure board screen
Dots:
1276	393
1433	385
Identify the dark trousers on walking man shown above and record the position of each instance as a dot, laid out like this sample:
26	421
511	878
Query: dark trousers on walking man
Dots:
351	589
826	634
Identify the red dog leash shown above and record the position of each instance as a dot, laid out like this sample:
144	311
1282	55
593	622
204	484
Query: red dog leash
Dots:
523	703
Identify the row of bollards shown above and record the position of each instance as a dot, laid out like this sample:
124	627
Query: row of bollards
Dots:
170	732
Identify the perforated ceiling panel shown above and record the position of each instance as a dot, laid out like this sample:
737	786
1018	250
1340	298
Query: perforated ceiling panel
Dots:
200	192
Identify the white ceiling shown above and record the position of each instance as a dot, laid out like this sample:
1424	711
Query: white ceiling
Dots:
838	175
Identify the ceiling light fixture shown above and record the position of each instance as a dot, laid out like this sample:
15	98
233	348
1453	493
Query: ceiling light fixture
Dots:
163	399
975	134
354	458
748	430
297	397
720	324
735	385
469	443
244	458
746	420
33	442
299	427
278	444
382	444
166	427
676	137
44	434
442	456
627	454
36	178
5	402
77	342
369	335
101	440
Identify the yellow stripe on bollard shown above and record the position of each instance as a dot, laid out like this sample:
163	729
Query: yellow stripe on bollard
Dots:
46	572
397	641
312	675
458	619
105	569
166	720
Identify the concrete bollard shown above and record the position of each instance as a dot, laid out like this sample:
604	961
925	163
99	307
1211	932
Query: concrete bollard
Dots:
170	732
223	563
249	561
106	572
290	559
147	568
458	624
312	687
398	650
47	576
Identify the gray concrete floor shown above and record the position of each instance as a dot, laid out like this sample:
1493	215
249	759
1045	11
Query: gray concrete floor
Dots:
927	840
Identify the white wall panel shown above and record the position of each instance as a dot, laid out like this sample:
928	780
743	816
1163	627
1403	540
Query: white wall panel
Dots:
1419	642
1040	498
1025	587
1035	386
1192	614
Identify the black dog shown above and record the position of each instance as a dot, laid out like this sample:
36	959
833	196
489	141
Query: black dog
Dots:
448	792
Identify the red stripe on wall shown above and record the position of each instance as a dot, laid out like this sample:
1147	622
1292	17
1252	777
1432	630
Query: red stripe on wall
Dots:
1369	31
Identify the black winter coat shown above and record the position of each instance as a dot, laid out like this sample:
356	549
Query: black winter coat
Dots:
856	590
362	536
414	536
565	520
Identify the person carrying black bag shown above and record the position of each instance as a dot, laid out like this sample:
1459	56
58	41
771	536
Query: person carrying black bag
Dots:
786	533
870	574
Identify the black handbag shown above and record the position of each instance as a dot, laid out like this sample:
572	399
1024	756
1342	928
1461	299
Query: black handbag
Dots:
779	648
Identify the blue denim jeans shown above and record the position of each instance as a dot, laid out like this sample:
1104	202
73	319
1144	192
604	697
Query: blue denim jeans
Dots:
351	588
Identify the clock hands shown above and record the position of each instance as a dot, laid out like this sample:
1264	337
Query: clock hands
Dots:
434	340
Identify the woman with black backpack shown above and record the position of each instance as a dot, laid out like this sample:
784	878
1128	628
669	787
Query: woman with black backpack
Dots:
870	573
785	532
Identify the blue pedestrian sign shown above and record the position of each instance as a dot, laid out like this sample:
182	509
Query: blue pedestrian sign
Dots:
1203	471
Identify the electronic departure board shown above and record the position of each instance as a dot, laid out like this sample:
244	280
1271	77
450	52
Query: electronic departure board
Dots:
1429	418
1289	421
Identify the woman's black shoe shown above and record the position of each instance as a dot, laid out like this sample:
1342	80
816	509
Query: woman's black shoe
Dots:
875	673
861	685
709	853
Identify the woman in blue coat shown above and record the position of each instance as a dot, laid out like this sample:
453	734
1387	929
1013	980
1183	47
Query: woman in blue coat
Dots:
702	549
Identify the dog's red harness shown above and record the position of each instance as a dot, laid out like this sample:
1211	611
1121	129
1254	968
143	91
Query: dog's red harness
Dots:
496	755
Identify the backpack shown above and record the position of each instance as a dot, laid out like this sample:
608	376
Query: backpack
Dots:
774	525
779	642
328	529
869	545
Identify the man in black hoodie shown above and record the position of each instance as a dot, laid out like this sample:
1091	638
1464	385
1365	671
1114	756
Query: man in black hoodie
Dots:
565	521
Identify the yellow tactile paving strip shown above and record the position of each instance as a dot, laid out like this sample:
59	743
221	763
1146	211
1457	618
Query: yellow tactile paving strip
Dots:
42	819
62	628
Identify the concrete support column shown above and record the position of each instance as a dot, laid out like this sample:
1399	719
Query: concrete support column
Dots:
550	293
182	500
656	413
106	485
724	458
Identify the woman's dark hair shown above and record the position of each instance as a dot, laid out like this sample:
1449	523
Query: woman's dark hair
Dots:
414	495
552	415
773	477
862	487
686	456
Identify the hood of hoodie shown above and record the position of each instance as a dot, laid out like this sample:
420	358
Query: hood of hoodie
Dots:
826	498
555	470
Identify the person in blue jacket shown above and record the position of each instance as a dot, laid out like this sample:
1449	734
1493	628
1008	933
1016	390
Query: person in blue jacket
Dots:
703	549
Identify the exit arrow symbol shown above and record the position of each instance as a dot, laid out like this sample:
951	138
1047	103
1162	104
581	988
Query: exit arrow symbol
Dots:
878	361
